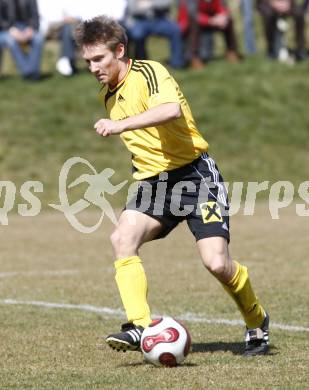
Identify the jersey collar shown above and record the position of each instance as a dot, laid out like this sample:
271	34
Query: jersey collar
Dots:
117	86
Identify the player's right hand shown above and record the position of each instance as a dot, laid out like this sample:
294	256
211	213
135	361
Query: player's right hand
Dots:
106	127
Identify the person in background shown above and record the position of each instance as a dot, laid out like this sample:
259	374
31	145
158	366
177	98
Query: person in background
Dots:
248	26
6	21
273	12
66	64
197	17
151	17
306	11
20	33
60	19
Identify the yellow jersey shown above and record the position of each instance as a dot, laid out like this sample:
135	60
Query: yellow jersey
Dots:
158	148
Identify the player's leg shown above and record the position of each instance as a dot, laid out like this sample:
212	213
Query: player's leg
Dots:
133	229
139	32
235	280
170	29
209	222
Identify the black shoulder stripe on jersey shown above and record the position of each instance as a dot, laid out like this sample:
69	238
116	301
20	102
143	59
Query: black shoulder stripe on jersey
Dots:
154	75
142	71
145	73
152	81
148	73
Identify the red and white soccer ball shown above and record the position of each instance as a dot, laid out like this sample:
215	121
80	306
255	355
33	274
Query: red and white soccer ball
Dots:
165	342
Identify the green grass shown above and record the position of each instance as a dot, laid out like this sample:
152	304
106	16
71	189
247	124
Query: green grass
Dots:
44	348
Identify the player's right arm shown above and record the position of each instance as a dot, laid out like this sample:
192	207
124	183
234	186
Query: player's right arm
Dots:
152	117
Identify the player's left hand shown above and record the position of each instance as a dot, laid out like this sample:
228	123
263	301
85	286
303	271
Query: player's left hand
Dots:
106	127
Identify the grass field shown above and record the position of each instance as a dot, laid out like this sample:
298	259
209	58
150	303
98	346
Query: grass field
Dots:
44	260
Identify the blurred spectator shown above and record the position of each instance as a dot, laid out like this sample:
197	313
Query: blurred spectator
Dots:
274	13
60	19
7	14
197	17
248	25
6	21
151	17
20	33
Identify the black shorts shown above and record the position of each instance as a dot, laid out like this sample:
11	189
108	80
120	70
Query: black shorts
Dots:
195	193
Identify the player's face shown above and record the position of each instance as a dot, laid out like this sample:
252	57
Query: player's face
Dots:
103	63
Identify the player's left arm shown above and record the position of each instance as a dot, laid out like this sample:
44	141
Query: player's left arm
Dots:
152	117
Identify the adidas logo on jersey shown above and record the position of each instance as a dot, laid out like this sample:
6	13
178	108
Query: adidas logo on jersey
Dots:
120	98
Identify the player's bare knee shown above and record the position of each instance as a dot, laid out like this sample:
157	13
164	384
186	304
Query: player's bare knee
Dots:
118	240
216	268
124	243
217	264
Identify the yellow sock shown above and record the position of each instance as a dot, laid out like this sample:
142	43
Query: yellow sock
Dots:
132	284
240	289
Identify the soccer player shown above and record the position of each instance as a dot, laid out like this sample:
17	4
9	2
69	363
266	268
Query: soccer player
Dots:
177	180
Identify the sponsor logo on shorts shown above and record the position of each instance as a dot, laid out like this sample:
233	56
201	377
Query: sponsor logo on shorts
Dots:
211	212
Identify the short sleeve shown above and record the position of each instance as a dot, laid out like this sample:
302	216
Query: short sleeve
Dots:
162	88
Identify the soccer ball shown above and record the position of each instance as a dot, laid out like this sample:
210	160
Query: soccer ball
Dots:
165	342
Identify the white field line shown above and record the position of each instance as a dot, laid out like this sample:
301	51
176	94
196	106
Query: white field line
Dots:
118	313
38	273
